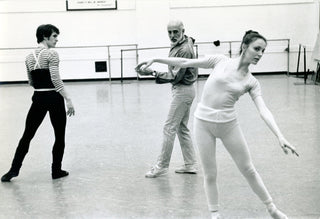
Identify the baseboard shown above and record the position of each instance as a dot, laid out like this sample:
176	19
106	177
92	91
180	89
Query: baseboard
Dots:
13	82
75	80
151	78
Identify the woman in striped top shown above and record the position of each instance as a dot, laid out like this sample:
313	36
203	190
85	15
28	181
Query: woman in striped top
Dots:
49	95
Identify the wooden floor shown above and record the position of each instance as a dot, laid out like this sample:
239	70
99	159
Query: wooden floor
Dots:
116	136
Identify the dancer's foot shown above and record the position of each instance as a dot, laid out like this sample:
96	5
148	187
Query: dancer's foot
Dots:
59	173
215	215
276	213
8	176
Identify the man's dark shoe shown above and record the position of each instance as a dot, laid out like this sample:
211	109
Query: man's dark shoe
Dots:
8	176
58	174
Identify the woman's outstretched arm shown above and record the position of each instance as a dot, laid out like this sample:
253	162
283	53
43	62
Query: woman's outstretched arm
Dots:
175	61
267	116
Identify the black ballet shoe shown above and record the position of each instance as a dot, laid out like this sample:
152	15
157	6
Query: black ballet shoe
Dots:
8	176
59	174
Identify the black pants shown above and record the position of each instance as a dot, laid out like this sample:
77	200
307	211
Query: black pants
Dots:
42	102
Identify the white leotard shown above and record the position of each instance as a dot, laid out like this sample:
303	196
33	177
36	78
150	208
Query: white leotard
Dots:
223	88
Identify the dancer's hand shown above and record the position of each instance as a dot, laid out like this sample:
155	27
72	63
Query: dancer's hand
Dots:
138	67
146	71
285	145
143	65
70	108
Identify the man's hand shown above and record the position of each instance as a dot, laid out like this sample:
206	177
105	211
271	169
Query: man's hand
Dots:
70	108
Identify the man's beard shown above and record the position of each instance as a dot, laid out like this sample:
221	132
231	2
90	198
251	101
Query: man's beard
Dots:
178	41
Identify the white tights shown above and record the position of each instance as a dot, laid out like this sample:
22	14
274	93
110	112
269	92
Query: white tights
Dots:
235	143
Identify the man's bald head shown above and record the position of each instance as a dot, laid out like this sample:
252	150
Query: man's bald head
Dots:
175	24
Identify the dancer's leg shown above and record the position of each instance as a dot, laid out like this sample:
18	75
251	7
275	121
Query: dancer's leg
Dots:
58	119
236	145
206	143
34	118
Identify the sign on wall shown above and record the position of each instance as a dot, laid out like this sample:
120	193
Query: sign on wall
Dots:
76	5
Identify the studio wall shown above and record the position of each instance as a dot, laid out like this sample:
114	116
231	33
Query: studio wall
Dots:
143	23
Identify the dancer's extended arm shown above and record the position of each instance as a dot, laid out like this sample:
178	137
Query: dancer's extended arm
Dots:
175	61
267	116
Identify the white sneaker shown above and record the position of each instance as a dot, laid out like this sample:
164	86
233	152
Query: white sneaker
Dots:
191	169
215	215
156	171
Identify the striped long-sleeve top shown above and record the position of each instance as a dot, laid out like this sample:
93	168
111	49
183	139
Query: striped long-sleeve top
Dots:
48	59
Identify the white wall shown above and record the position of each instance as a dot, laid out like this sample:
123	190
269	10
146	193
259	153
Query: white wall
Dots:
143	22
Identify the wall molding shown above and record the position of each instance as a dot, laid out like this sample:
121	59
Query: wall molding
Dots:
175	4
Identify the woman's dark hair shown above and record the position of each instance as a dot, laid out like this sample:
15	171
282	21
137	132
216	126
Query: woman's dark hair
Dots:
45	30
249	37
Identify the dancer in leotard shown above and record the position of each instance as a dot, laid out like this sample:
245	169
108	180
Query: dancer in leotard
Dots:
49	95
215	116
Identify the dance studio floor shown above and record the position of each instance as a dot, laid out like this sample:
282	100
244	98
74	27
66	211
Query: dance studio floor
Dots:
116	135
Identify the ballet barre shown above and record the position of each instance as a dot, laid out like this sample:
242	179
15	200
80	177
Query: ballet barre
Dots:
108	48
